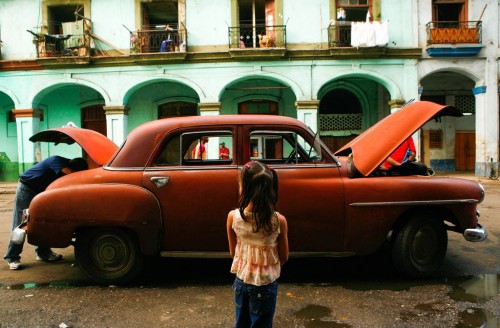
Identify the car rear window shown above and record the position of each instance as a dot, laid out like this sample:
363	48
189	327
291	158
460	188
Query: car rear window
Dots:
197	148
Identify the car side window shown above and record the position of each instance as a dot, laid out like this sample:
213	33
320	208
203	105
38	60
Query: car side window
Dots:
282	147
195	148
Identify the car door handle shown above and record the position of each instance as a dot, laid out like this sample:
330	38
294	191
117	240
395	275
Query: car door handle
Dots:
160	182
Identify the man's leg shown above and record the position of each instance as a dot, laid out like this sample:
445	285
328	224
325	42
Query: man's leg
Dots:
23	198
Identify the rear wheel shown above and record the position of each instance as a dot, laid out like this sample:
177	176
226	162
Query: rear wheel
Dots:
419	246
108	255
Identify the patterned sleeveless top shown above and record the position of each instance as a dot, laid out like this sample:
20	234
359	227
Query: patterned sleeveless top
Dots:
256	260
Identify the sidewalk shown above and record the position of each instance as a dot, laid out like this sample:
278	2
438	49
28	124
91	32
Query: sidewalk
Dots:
8	187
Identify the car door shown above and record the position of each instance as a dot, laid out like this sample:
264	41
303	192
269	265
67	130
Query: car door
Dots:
195	192
311	192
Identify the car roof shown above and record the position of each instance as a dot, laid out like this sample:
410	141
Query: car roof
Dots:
141	141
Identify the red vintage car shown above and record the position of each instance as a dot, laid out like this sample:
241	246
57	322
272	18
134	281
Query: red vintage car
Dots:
163	194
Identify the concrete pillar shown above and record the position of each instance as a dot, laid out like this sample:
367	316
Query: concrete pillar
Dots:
117	123
396	104
27	124
209	108
307	112
482	131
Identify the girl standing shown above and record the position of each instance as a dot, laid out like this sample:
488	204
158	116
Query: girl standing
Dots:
258	242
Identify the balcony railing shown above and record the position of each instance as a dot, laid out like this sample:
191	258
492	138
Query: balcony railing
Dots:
57	45
339	34
257	36
152	41
454	32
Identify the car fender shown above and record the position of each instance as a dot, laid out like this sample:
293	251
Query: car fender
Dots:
372	215
57	214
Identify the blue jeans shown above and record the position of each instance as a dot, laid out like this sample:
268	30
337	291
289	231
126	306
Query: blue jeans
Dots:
24	196
255	305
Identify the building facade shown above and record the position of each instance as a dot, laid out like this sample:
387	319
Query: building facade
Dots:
338	65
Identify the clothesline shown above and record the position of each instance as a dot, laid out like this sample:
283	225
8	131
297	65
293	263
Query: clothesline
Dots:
369	34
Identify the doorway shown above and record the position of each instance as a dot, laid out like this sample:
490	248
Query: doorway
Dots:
465	151
94	118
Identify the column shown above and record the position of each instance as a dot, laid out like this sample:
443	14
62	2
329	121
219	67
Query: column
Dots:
209	108
482	168
206	109
27	124
117	123
396	104
307	112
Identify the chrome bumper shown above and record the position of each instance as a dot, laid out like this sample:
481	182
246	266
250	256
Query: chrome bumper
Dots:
477	234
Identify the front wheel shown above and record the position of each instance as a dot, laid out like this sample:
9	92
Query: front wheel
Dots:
108	255
419	246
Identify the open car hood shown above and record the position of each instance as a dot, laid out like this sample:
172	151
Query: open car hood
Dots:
97	146
371	148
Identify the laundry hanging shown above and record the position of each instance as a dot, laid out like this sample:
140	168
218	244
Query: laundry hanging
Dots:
369	34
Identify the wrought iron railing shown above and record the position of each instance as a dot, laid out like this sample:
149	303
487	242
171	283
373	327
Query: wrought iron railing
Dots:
339	34
454	32
57	45
257	36
151	41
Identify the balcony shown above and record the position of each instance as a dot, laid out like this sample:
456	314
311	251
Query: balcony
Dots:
165	40
257	40
454	39
339	34
60	45
342	34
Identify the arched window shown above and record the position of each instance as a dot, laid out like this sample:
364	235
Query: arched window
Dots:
177	108
258	107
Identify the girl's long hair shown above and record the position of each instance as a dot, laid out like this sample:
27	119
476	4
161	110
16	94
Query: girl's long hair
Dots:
259	185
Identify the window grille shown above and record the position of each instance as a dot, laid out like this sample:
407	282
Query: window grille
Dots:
436	139
466	104
336	122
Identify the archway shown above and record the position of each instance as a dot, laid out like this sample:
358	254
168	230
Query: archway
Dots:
9	166
348	107
159	99
341	116
449	144
258	95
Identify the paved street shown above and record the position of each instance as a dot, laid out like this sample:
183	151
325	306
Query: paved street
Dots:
357	292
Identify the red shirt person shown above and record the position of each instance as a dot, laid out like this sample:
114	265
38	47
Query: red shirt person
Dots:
399	155
223	151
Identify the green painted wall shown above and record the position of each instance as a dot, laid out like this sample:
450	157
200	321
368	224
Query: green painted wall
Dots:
144	102
9	165
60	107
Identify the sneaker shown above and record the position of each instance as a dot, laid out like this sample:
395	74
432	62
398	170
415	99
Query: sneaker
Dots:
50	258
15	265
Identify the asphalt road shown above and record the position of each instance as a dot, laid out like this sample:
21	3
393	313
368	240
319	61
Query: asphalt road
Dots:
354	292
